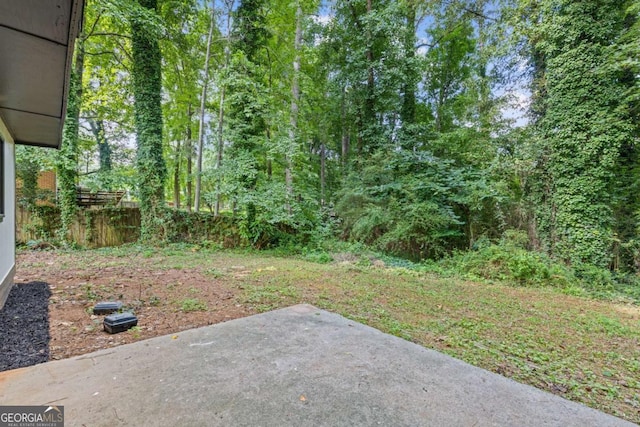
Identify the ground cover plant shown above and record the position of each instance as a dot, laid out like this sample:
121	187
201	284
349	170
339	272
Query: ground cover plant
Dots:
580	348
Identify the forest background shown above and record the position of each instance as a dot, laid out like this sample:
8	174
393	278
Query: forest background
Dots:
497	138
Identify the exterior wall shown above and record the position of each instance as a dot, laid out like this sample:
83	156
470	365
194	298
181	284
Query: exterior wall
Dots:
8	222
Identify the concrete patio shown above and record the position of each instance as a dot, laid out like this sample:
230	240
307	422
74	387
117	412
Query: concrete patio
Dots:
299	366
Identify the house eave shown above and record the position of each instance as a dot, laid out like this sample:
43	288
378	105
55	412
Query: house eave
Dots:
37	40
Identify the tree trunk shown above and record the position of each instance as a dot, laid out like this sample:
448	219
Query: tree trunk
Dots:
408	112
67	159
189	151
104	152
147	92
323	173
345	129
369	112
104	149
268	163
220	153
176	177
203	101
295	100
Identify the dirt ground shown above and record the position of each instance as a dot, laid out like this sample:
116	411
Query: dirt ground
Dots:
165	300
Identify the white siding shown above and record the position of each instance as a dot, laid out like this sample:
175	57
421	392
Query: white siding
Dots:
8	223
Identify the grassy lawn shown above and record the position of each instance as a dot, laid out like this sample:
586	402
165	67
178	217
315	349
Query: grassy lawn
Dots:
582	349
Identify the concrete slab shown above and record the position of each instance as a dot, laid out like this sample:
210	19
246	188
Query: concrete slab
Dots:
299	366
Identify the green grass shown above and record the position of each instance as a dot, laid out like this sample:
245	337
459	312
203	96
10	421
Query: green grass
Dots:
578	347
192	304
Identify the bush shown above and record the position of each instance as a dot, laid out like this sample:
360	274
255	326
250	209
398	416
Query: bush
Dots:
508	260
271	218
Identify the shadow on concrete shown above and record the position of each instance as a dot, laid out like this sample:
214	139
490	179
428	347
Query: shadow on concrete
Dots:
24	326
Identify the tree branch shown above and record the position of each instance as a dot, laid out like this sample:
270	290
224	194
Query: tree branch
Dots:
478	14
93	26
103	33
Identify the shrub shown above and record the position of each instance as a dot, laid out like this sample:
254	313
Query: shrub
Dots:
508	260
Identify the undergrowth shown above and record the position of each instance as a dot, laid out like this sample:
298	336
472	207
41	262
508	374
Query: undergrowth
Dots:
508	261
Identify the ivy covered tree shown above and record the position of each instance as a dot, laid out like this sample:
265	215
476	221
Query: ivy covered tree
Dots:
147	92
67	159
247	90
581	126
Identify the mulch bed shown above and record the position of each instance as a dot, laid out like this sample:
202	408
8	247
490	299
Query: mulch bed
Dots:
24	326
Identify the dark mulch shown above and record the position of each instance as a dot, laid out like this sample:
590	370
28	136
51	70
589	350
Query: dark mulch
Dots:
24	326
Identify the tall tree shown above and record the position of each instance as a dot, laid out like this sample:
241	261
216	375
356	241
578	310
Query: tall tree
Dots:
295	100
203	100
147	89
221	109
247	96
67	159
581	125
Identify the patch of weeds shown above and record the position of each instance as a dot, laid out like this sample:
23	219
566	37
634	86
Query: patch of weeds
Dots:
611	327
192	304
364	262
135	332
154	301
397	328
194	291
89	293
177	266
212	245
318	257
400	263
263	308
269	293
213	272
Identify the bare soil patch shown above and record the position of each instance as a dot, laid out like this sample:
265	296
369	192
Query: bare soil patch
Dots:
165	300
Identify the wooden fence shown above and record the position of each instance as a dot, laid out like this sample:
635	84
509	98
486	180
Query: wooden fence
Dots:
114	226
92	228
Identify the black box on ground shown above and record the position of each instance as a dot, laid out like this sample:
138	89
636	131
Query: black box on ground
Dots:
119	322
107	307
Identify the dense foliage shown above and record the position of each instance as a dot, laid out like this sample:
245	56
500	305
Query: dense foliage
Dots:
586	135
418	128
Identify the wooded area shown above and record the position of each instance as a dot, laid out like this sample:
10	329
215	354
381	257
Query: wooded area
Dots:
418	128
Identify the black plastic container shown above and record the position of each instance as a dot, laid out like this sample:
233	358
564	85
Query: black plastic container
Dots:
107	307
119	322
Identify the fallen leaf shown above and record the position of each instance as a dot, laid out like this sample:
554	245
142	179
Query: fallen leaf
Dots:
302	398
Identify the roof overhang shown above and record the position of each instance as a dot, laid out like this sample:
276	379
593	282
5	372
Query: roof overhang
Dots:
36	55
